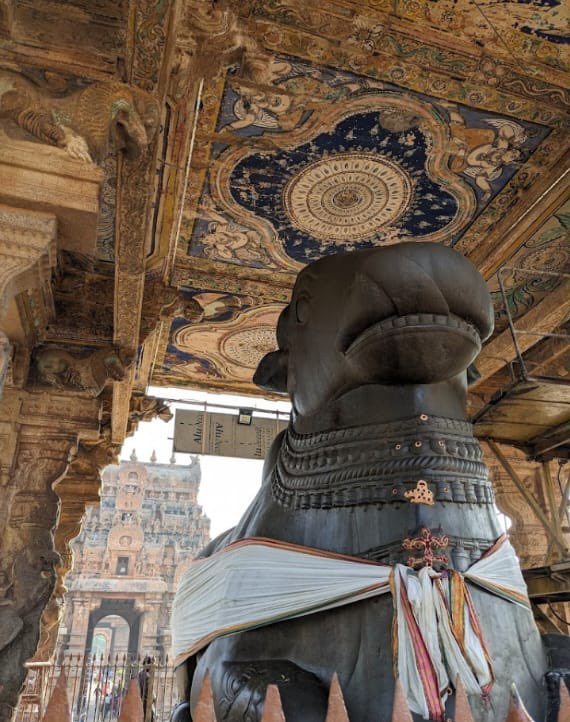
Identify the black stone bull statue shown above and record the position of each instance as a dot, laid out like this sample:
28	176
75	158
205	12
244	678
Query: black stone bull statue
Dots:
373	351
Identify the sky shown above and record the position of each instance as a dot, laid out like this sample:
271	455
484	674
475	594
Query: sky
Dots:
228	484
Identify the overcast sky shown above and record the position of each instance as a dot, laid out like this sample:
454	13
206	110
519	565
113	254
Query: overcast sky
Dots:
228	484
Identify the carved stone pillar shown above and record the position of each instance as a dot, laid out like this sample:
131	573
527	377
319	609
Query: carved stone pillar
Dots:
77	490
39	433
5	356
27	256
27	251
533	544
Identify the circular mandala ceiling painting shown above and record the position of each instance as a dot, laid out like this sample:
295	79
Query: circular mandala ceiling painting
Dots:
247	346
347	196
361	182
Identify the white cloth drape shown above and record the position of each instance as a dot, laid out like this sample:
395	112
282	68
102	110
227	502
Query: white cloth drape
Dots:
257	582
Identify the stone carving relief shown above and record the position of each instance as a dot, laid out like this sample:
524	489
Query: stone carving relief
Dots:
27	251
60	369
144	408
162	303
88	122
28	583
5	358
216	41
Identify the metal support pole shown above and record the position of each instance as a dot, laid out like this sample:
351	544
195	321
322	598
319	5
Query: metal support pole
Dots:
528	497
549	491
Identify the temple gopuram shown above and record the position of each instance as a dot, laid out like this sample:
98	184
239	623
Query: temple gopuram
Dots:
128	558
168	169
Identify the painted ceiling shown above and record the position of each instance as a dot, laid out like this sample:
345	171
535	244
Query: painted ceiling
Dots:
338	132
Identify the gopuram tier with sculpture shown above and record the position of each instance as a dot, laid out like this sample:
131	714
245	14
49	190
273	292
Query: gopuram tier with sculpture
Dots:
360	205
128	558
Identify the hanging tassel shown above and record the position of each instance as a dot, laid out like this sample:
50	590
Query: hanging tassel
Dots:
336	711
204	710
462	707
272	708
517	711
132	707
58	709
400	711
564	711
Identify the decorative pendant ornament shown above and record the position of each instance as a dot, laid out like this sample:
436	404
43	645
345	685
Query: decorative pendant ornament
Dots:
427	543
422	494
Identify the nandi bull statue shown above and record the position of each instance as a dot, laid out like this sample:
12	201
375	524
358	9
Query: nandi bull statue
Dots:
373	547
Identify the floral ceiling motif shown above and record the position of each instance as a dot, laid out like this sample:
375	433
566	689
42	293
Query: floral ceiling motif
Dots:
351	124
227	345
536	269
363	163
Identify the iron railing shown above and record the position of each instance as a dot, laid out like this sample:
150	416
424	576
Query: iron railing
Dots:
97	685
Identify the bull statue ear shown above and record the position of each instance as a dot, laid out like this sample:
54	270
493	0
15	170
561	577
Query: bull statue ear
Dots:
271	372
472	374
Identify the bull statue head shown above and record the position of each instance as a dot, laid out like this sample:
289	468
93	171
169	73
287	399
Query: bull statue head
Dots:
412	313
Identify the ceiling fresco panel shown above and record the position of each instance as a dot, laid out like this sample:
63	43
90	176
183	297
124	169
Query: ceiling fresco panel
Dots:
352	124
224	349
361	163
536	269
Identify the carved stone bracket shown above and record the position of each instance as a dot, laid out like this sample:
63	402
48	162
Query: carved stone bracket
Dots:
27	252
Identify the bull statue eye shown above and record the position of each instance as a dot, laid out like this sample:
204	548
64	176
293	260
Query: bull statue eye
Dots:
302	309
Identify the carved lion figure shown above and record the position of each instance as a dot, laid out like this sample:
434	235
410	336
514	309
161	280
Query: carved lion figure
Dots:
56	367
88	123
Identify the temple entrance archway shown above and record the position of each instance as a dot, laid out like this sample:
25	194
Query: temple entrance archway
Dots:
114	628
111	636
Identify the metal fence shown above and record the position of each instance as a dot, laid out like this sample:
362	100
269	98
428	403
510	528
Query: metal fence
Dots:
97	685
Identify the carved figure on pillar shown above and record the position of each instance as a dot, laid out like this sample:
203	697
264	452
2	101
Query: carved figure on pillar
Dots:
87	122
28	557
57	367
378	460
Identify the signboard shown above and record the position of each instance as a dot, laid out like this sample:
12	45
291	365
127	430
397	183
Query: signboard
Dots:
216	434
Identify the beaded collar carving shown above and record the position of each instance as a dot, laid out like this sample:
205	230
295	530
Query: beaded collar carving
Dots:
379	463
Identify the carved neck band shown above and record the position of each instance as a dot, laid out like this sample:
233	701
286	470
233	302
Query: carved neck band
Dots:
380	463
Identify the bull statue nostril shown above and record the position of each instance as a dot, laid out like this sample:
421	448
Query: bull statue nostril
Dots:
271	372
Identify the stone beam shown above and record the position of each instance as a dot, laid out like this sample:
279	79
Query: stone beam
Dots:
41	178
545	317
